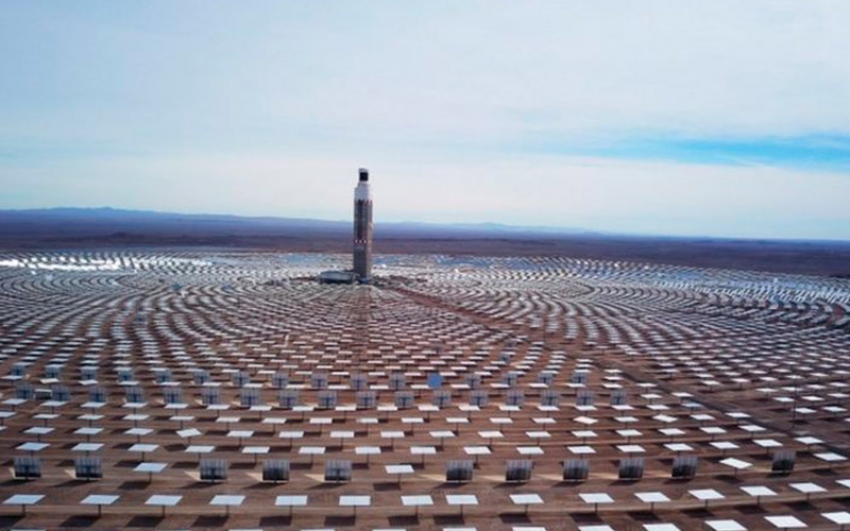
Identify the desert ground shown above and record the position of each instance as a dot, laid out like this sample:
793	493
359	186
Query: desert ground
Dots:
163	389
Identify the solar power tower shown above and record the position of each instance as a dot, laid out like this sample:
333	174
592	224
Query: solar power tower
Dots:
363	227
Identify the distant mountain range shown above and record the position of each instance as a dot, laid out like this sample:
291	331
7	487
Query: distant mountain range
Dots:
108	221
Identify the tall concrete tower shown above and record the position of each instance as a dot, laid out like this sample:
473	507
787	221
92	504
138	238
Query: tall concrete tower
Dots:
363	227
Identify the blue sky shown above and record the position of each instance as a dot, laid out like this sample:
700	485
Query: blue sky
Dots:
721	118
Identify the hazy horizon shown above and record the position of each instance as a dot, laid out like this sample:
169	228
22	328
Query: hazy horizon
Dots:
497	228
716	119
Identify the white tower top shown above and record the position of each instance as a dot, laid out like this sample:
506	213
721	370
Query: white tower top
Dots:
362	191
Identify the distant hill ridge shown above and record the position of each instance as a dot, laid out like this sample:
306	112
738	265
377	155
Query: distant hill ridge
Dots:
113	218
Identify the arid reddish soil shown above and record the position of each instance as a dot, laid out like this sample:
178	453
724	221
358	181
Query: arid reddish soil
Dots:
566	359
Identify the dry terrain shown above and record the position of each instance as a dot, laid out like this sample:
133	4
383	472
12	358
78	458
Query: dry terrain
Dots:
558	393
